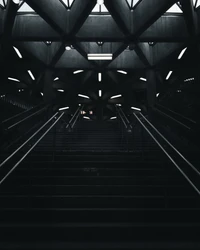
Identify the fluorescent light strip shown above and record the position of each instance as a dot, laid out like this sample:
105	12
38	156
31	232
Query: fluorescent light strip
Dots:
87	118
64	108
99	77
100	56
60	90
169	74
116	96
113	118
13	79
181	54
41	93
84	96
189	79
56	79
77	72
157	95
119	105
122	72
143	79
136	108
18	52
31	75
100	93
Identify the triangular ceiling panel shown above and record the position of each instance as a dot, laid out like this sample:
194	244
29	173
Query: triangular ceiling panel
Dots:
198	3
100	8
128	59
2	3
73	59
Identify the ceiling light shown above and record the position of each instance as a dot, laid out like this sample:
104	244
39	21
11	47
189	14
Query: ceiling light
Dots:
178	91
87	118
79	105
41	93
56	79
143	79
48	42
100	56
136	108
18	52
78	71
83	112
181	54
119	105
122	72
60	90
100	93
100	77
113	118
84	96
31	75
157	95
116	96
169	74
100	2
13	79
16	1
68	47
64	108
2	96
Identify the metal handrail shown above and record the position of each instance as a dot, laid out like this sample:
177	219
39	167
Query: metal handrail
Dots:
182	124
186	118
26	111
122	118
176	150
26	118
34	145
129	124
172	160
10	156
78	110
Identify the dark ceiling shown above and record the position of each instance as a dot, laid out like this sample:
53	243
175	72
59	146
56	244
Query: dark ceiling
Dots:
54	38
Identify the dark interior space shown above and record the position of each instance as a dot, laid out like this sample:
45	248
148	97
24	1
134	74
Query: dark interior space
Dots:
99	124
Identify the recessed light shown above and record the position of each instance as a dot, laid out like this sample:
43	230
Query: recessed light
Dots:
84	96
168	75
13	79
143	79
181	54
64	108
68	47
115	96
60	90
100	93
56	79
87	118
136	108
113	118
31	75
122	72
99	77
78	71
18	52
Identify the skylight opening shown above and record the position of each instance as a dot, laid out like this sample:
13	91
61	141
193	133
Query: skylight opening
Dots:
64	108
26	8
115	96
18	52
181	54
174	9
168	75
100	57
78	71
137	109
68	3
31	75
132	3
100	7
122	72
84	96
100	93
143	79
13	79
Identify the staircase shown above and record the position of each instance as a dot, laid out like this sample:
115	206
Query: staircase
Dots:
94	192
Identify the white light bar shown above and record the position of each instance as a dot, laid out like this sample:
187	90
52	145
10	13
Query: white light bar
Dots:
79	105
100	93
143	79
31	75
169	74
78	71
87	118
13	79
122	72
99	77
41	93
119	105
60	90
64	108
116	96
157	95
189	79
18	52
84	96
181	54
100	56
56	79
136	108
113	118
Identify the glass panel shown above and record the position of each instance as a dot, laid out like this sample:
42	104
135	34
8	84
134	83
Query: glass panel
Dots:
96	8
103	8
174	9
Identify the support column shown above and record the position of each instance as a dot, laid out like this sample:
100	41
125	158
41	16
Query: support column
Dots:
151	89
